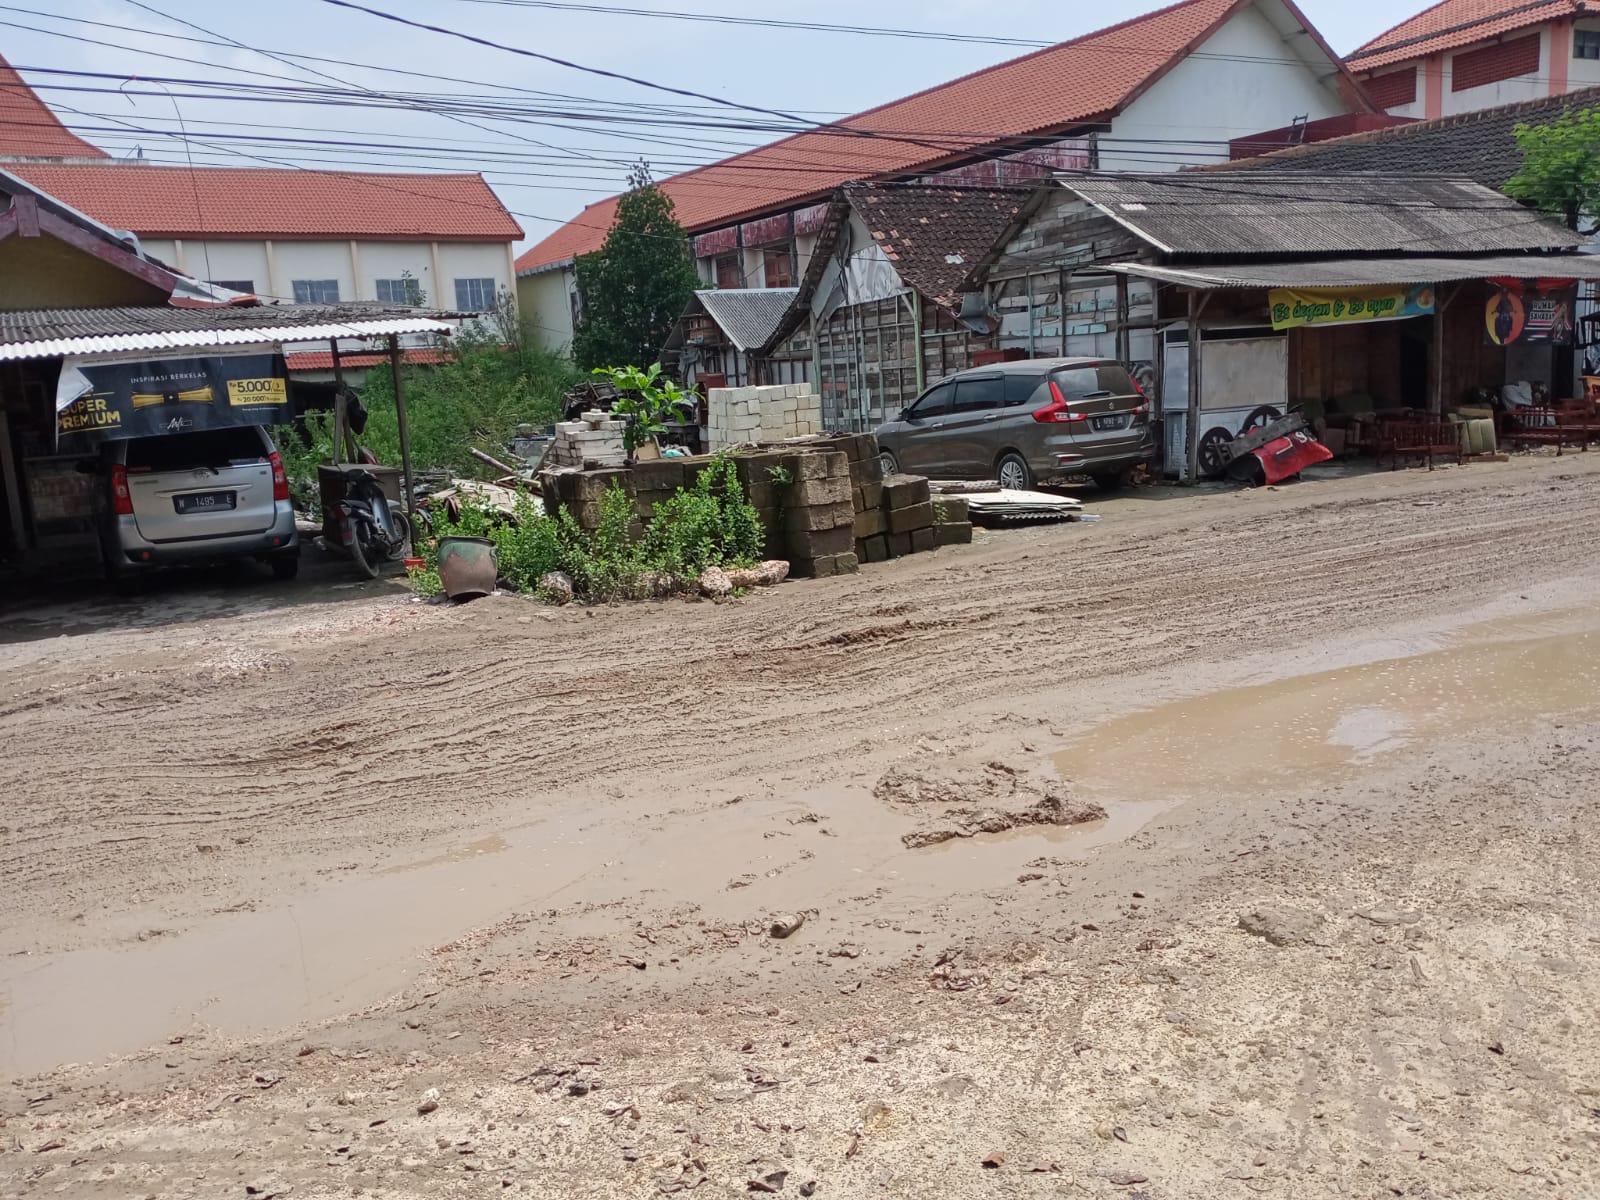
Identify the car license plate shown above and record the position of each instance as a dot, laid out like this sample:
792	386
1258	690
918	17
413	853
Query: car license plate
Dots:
1106	424
204	502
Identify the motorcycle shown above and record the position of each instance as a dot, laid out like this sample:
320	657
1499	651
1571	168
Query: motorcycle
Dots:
370	526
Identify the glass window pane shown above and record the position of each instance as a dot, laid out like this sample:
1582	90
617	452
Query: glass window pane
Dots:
936	403
1020	388
1076	382
979	395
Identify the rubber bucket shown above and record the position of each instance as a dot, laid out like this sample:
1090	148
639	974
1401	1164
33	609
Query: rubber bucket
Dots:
468	566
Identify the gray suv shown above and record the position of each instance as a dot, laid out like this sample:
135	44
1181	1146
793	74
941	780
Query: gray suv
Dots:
183	498
1023	423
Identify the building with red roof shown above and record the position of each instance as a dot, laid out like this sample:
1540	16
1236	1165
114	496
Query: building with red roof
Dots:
1461	56
1154	93
284	235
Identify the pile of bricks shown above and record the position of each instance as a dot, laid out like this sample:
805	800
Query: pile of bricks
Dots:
595	441
777	413
580	493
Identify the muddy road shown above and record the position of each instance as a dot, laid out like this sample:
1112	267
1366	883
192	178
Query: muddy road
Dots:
1319	915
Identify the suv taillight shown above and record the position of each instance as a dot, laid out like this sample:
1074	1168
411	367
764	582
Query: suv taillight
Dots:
121	498
1057	411
1134	379
280	480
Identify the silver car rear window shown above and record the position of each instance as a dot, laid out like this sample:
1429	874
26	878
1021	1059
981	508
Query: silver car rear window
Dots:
185	451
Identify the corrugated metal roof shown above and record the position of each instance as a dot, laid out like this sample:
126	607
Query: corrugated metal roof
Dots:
56	333
748	315
1369	272
1268	213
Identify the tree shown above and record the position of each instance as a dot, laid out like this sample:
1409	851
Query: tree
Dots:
637	284
1561	169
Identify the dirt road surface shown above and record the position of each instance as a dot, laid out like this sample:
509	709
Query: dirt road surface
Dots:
1256	854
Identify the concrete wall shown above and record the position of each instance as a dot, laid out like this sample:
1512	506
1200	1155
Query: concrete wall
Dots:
273	266
1558	72
545	302
1210	99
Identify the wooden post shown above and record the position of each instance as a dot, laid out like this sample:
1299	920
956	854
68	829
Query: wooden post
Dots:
1192	432
916	340
1124	339
405	435
1063	286
1440	304
338	403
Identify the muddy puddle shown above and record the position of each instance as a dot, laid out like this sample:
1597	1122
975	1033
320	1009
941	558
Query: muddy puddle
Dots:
350	945
1320	728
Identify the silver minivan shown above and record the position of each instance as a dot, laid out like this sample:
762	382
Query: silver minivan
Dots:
206	496
1025	422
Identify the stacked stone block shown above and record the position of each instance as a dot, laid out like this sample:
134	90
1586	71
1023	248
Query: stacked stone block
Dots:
747	415
594	442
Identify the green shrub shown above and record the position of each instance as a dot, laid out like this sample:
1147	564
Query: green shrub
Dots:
710	524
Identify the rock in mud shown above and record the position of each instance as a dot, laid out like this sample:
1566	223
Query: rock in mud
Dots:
429	1102
768	574
1384	914
932	836
556	587
783	927
1281	926
715	584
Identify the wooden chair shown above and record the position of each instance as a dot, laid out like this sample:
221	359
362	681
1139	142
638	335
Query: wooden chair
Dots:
1546	426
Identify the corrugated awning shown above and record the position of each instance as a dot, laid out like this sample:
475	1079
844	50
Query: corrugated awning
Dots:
87	332
1368	272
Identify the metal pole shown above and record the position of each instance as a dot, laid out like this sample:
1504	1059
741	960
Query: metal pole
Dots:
1124	340
400	420
916	340
1192	432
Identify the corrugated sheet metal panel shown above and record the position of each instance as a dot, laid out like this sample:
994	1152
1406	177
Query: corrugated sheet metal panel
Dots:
79	344
1358	272
748	315
1260	213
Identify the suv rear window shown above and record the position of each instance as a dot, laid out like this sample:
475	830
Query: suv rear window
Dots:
1108	378
208	448
1020	388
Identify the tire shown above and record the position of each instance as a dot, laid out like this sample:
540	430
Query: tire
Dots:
1260	418
1013	472
284	566
361	552
1213	452
888	462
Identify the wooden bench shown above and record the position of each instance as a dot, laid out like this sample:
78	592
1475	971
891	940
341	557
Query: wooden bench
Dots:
1558	427
1421	440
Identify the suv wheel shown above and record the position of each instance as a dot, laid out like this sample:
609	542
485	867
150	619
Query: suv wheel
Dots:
887	461
1013	473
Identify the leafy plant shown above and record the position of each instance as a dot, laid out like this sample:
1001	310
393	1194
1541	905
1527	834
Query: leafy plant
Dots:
638	283
646	398
709	524
1561	169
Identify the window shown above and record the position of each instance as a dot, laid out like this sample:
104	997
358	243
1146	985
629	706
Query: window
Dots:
1077	382
979	395
206	448
247	286
1020	389
935	402
777	268
316	291
474	295
1505	60
727	271
399	291
1114	378
1586	43
1394	90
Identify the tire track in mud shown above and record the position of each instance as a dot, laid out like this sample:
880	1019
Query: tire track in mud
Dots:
404	725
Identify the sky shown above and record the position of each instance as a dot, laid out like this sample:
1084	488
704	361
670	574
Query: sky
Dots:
549	138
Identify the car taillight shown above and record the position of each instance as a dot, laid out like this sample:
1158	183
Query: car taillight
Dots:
280	480
1135	381
1057	411
121	498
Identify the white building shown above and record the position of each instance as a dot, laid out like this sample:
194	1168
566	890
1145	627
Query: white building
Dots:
1465	55
1161	91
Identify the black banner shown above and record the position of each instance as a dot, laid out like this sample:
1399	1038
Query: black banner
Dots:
102	402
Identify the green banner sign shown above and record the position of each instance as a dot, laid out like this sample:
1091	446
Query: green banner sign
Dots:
1294	308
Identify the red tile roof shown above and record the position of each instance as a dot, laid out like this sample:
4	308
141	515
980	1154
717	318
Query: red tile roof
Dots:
1454	23
1051	89
261	202
30	130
